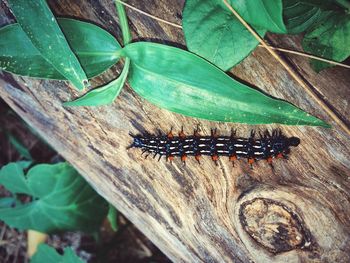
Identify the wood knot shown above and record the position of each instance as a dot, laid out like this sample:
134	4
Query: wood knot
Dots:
273	225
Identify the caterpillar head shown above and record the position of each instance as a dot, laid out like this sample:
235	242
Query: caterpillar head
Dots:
293	141
137	141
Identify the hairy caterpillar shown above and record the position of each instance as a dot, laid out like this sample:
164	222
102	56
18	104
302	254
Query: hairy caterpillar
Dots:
265	147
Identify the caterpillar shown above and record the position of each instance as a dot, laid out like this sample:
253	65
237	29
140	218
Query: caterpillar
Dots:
266	147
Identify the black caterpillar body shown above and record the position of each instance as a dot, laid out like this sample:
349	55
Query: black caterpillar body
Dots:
266	147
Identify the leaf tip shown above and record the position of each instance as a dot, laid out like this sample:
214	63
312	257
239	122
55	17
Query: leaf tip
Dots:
322	123
81	86
69	104
326	125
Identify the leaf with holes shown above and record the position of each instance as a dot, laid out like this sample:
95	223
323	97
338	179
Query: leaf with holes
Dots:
61	199
41	27
95	48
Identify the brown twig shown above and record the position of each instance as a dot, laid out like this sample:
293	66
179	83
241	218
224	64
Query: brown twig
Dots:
290	71
149	15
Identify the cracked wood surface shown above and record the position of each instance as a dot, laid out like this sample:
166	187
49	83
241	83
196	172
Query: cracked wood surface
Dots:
300	212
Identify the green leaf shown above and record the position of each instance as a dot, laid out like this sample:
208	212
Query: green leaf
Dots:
300	15
95	48
25	164
40	25
62	200
182	82
108	93
329	39
212	32
47	254
7	202
112	217
105	94
327	26
265	14
12	177
21	149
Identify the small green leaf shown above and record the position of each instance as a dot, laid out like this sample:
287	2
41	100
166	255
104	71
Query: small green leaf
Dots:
300	15
40	25
157	74
329	39
47	254
21	149
12	177
265	14
212	32
95	48
112	217
105	94
62	200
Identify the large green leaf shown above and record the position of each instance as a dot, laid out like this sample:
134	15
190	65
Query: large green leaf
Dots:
105	94
47	254
95	48
265	14
182	82
62	200
212	32
329	39
40	25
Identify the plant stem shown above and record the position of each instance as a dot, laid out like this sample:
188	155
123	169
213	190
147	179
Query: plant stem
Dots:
123	22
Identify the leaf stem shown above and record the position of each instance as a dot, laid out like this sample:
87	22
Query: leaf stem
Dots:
123	22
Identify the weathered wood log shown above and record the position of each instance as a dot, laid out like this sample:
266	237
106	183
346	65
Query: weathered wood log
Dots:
298	212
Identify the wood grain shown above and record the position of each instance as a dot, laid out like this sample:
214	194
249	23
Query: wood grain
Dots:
298	212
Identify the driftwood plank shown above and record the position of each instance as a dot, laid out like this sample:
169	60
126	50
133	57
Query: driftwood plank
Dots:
299	212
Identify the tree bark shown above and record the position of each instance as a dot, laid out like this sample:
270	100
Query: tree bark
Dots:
298	212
